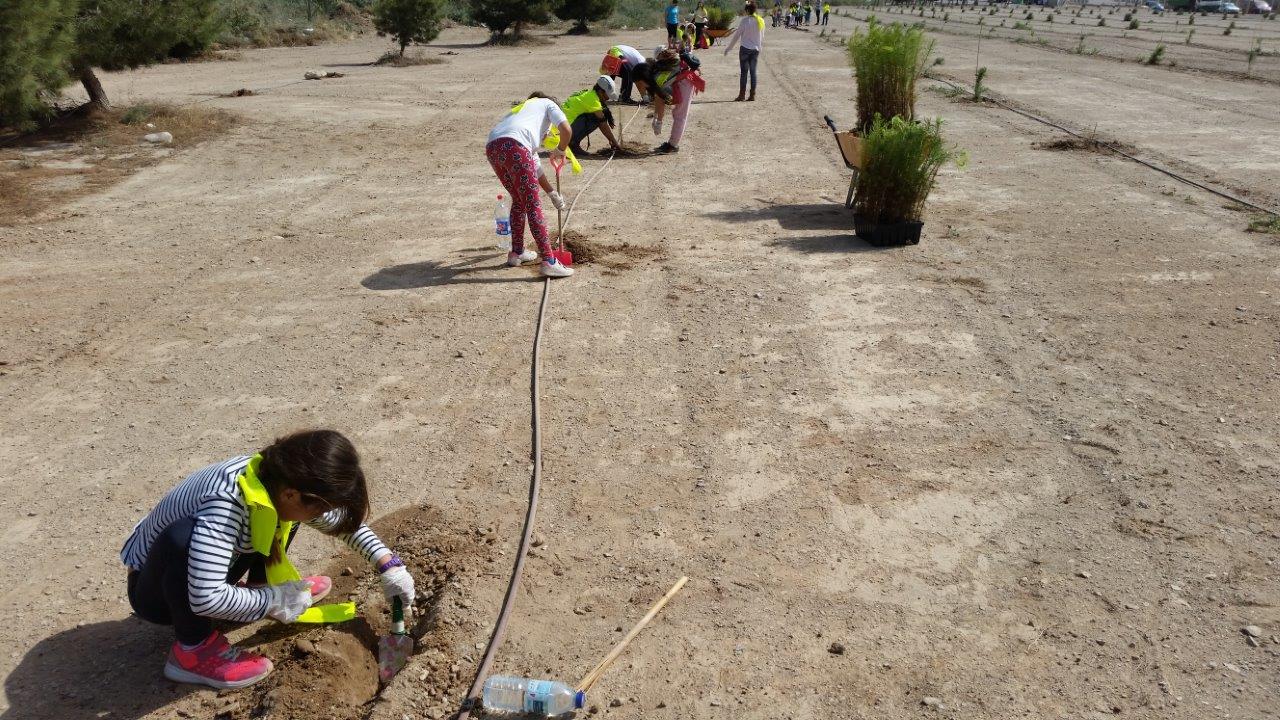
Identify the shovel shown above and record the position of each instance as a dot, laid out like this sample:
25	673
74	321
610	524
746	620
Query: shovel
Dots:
395	648
559	253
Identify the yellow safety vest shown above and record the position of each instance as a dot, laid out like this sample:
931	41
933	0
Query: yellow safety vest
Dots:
552	141
266	531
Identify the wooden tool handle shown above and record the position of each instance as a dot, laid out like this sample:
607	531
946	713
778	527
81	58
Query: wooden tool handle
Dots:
598	670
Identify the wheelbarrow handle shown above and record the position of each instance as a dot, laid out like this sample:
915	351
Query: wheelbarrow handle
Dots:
830	123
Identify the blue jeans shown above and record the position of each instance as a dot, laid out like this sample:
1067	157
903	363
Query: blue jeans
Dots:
747	64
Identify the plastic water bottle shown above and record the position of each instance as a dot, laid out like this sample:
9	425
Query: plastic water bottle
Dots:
542	697
502	219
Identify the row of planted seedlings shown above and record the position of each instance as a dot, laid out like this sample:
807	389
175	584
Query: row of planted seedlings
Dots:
900	154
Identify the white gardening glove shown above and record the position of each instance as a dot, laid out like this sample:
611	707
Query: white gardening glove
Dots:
398	582
657	125
289	600
557	199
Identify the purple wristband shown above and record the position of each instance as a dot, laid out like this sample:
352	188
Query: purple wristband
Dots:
393	561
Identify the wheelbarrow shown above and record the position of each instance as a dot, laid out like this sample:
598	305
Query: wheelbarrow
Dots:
850	144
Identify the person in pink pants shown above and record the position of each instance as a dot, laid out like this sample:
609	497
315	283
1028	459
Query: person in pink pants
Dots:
676	81
512	150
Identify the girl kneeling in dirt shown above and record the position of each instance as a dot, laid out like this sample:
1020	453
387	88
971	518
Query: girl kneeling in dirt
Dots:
512	150
187	557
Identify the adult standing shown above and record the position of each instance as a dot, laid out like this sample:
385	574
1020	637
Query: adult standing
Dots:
700	23
673	22
826	12
630	58
750	33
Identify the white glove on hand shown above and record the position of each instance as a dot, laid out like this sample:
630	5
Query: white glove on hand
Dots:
657	126
398	582
289	600
557	199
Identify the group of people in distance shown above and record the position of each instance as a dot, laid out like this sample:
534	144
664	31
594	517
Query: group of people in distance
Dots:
668	79
797	14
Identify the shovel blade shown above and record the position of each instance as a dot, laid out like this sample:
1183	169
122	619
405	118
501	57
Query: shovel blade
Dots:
393	653
564	257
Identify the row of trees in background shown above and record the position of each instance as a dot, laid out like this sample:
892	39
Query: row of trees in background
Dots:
47	44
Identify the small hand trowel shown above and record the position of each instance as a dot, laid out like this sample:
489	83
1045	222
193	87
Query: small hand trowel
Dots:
394	649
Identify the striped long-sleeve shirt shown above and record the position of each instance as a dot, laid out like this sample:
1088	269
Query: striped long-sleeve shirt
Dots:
212	497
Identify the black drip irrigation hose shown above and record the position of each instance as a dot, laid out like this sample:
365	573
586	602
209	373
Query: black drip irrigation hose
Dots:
1112	148
470	702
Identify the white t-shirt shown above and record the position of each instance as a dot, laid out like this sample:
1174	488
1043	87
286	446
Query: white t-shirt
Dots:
630	55
529	126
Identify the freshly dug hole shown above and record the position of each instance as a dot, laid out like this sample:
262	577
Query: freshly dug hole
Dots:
629	149
614	256
332	672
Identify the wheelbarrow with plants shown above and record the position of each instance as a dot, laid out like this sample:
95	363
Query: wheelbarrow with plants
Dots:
850	145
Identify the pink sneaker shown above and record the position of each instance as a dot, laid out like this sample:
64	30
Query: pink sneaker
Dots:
216	663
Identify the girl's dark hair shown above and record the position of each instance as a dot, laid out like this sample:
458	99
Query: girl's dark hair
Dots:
322	465
642	71
751	8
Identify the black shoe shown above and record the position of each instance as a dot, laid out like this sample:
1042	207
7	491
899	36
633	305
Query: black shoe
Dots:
666	148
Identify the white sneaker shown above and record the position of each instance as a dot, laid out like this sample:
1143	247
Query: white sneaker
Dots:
558	200
515	259
553	268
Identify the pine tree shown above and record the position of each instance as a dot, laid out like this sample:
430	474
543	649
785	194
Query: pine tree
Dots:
408	21
498	15
38	36
123	34
584	11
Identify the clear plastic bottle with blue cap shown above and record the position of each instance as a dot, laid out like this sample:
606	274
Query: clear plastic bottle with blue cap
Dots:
502	219
547	698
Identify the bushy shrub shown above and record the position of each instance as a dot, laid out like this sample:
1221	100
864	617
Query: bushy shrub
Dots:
900	163
38	36
584	11
887	61
408	21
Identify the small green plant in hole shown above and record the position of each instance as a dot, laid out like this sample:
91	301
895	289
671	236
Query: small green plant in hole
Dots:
1191	20
1156	55
1102	22
1190	32
1133	24
1230	27
1268	224
979	86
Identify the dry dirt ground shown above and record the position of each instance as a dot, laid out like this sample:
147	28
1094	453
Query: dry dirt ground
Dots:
1024	469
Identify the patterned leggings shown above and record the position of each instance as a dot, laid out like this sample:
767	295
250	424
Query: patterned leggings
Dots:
517	168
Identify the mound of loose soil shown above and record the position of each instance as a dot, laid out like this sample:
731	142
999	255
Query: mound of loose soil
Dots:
614	256
1098	145
629	149
332	671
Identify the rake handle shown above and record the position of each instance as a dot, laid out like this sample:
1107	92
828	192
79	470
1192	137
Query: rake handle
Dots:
592	677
